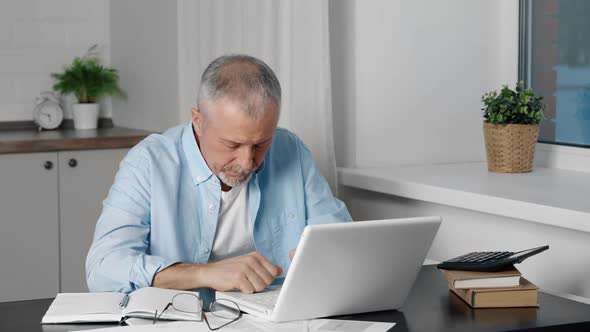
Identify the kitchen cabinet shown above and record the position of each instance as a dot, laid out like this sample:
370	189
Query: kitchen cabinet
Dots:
29	229
85	178
49	205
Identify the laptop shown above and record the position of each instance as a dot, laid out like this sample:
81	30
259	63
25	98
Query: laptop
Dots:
346	268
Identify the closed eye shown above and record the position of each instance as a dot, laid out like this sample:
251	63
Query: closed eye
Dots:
262	145
235	145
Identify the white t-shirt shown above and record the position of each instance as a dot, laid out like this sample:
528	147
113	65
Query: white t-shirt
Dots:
233	236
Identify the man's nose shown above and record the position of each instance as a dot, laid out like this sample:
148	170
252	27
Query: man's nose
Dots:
246	159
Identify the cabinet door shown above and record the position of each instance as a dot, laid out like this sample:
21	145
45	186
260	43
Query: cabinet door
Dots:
85	178
29	261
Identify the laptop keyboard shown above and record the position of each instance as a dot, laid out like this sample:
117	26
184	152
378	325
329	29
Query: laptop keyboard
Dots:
266	299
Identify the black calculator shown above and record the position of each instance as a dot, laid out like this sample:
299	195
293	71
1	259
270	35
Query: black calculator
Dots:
489	261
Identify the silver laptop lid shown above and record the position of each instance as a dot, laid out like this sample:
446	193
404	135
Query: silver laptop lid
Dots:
348	268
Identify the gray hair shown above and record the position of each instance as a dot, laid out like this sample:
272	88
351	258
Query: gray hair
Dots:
243	78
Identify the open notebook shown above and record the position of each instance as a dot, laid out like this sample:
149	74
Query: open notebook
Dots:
104	307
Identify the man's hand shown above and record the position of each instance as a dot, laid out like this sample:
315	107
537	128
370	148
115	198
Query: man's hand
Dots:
248	273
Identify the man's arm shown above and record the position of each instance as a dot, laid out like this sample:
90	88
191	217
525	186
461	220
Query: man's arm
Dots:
248	273
118	259
320	204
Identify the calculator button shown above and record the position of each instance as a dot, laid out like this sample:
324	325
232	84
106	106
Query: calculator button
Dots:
468	258
485	258
473	259
458	259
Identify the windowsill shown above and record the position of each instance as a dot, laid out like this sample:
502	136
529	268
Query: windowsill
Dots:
548	196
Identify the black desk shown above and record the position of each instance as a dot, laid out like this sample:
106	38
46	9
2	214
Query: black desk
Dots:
430	307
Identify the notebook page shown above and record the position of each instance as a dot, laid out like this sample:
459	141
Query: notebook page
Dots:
144	302
248	323
84	307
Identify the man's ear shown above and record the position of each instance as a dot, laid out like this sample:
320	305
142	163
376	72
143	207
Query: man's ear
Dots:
198	118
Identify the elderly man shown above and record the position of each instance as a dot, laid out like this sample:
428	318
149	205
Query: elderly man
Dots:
217	203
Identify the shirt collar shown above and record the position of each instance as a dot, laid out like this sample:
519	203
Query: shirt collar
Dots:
199	169
261	167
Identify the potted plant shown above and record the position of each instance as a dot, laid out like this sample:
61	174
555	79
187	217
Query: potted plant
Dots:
511	128
88	80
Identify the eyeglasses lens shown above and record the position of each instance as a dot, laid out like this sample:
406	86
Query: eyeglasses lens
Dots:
225	309
186	303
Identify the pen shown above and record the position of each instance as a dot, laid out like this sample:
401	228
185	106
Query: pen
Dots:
124	301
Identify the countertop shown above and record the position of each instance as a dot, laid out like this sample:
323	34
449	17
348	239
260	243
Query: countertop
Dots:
26	141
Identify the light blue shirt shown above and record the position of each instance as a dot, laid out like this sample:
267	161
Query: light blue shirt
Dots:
163	208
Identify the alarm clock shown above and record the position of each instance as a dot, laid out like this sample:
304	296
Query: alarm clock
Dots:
47	113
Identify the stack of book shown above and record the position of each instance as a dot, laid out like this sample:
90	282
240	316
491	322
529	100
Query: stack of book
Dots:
492	289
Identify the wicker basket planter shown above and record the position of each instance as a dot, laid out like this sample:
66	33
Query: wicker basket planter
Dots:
510	148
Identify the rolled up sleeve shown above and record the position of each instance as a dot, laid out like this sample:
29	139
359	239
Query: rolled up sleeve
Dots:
119	259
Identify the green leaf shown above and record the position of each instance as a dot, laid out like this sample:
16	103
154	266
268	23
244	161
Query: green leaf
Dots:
518	106
87	80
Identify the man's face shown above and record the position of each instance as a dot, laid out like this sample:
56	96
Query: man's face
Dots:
232	142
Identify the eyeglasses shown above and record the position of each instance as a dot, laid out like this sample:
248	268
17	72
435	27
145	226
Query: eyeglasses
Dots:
225	311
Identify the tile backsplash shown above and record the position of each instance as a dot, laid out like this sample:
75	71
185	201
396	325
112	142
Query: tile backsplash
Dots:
39	37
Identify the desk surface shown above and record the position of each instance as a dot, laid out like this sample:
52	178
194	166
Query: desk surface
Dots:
430	307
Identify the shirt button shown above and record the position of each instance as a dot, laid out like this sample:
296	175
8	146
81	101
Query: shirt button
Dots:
206	250
291	215
199	178
212	207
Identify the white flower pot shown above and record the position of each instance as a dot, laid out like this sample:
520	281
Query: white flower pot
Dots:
85	116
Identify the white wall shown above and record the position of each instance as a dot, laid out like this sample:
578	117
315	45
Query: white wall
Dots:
144	42
38	38
408	77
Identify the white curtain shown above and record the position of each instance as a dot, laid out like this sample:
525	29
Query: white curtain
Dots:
292	37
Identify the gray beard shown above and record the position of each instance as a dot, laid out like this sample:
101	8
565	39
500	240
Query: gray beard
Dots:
231	182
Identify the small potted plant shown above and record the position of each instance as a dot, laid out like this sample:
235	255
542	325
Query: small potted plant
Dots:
88	80
511	128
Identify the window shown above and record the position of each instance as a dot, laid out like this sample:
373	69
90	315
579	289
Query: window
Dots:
555	61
